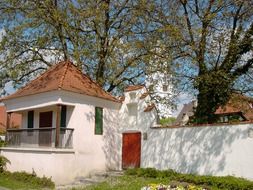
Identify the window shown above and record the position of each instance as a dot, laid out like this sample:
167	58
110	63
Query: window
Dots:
132	95
30	119
63	116
132	109
151	88
165	88
98	121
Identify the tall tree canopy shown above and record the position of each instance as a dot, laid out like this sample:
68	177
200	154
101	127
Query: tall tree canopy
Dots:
104	38
207	42
213	42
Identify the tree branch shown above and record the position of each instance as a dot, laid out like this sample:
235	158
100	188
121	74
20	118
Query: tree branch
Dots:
244	69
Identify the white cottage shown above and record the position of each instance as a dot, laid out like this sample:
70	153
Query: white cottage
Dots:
72	127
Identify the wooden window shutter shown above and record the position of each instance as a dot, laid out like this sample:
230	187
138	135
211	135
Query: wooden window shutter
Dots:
63	116
30	119
98	121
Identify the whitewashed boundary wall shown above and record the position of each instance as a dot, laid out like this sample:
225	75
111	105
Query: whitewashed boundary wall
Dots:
206	150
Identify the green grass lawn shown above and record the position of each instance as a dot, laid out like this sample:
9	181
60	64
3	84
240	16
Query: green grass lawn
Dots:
22	180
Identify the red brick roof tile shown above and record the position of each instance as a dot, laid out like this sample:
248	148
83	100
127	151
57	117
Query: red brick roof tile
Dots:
63	76
227	109
149	107
238	104
144	95
122	98
133	87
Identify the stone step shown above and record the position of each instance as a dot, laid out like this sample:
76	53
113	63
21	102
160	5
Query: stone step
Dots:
109	173
93	178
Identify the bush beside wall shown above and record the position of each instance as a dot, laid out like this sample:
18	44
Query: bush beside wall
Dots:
32	179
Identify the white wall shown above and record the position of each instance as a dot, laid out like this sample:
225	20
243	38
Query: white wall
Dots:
143	120
214	150
102	150
60	166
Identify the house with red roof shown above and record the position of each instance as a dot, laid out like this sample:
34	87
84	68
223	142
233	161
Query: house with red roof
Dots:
71	127
238	109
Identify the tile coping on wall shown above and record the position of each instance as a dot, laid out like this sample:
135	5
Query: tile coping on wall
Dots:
202	125
45	150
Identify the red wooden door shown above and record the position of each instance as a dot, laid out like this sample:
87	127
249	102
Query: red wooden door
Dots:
45	135
131	150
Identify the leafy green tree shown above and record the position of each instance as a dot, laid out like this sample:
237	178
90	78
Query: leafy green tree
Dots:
103	38
212	47
167	121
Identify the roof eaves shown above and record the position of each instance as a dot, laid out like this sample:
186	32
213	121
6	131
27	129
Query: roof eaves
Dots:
6	98
133	88
144	95
150	107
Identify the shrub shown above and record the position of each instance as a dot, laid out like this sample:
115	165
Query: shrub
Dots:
167	121
3	163
143	172
2	143
168	174
147	172
30	178
131	171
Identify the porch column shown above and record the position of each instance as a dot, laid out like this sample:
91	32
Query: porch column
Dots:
8	123
58	123
8	120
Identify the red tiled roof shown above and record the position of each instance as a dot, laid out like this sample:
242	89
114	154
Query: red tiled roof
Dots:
227	110
144	95
238	104
122	98
63	76
133	87
149	107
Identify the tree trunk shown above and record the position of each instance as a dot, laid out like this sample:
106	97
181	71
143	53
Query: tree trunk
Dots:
206	107
214	91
